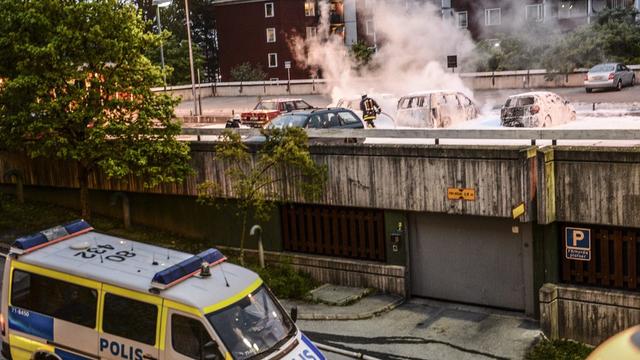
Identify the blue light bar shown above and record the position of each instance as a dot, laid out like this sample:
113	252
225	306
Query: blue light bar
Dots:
188	267
48	236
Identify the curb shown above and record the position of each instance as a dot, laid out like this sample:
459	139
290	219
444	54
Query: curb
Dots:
359	316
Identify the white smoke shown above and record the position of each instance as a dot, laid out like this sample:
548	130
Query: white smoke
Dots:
413	43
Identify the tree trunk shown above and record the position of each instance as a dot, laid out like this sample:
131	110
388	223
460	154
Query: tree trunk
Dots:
243	233
83	179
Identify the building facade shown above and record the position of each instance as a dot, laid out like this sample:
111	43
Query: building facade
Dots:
485	19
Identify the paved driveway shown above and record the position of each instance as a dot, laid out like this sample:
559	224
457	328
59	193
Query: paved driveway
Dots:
423	329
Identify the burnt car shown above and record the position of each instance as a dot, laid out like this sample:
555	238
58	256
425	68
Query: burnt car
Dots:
266	110
536	109
434	109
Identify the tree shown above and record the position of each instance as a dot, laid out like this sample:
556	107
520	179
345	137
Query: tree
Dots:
247	72
361	53
77	88
283	162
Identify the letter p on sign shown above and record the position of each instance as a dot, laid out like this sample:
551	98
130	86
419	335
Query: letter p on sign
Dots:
578	236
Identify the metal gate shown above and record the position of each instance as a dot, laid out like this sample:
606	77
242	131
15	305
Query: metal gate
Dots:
334	231
468	259
613	263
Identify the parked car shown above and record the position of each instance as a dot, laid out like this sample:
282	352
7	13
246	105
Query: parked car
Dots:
319	119
434	109
267	110
611	75
536	109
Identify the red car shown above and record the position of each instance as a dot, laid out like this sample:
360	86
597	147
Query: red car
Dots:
266	110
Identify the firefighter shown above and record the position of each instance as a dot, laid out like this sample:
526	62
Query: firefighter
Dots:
370	110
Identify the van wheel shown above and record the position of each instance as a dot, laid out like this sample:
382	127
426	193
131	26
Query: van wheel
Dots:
45	356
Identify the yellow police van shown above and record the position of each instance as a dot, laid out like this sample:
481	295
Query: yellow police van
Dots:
71	293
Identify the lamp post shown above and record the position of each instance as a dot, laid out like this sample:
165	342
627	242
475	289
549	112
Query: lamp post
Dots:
193	78
161	4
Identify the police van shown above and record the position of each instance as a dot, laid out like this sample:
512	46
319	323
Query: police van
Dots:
72	293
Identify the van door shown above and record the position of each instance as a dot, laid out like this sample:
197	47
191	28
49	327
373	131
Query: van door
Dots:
187	338
129	328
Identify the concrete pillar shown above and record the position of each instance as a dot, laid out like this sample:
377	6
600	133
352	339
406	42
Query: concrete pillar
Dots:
350	22
589	10
638	5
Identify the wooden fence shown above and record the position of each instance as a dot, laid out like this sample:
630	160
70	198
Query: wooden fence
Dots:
344	232
613	264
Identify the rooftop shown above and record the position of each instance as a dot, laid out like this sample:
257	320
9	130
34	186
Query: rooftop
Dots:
132	265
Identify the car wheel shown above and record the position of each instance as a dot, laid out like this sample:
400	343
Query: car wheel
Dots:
589	90
633	80
619	86
446	121
573	116
547	121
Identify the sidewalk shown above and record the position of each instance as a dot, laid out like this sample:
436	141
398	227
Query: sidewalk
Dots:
358	308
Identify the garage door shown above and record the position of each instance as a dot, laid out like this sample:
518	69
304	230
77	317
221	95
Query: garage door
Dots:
467	259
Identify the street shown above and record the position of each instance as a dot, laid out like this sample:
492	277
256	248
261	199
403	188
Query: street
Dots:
426	329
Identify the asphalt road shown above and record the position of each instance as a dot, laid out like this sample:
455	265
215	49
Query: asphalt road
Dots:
225	105
424	329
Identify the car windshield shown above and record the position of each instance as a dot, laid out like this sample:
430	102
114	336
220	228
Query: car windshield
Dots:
602	68
289	120
253	326
267	105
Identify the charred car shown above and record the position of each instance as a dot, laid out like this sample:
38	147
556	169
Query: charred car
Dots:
434	109
266	110
536	109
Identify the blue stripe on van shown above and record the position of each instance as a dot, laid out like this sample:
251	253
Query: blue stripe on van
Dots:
313	348
65	355
31	322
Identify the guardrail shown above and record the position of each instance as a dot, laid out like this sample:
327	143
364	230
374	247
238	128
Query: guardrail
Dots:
437	134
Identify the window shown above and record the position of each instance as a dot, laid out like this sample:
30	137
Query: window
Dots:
273	60
312	32
302	105
534	13
271	35
492	17
446	4
571	9
310	8
462	19
191	339
617	4
130	319
269	10
60	299
370	26
348	118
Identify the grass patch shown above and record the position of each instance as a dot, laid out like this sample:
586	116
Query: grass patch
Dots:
558	350
22	219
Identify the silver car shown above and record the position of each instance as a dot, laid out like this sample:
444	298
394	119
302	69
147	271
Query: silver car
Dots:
611	75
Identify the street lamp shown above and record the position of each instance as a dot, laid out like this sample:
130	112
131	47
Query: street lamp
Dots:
165	3
193	78
161	4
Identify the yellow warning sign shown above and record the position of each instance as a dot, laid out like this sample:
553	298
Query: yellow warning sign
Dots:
461	194
518	211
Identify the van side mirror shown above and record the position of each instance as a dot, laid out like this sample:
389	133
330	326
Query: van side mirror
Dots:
294	313
210	351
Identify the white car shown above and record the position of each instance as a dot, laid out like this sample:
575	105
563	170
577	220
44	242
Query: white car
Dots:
435	109
387	103
536	109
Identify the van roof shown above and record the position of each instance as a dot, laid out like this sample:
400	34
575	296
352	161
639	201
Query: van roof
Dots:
136	272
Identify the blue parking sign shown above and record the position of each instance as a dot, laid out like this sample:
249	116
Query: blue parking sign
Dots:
577	243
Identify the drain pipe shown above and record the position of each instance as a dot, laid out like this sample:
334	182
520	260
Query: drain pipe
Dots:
350	354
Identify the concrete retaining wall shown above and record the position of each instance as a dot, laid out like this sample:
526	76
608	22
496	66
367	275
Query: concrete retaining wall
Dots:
588	315
521	79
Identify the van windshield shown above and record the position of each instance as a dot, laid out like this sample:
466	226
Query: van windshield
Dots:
252	327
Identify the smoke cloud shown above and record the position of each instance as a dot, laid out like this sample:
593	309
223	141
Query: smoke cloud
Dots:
412	44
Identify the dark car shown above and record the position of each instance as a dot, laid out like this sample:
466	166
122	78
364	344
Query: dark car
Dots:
318	119
332	118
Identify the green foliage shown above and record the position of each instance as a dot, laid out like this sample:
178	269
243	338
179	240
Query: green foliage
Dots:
515	51
282	162
613	37
77	88
285	281
362	53
558	350
247	72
